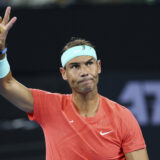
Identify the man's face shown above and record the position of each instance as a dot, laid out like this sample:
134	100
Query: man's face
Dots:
82	74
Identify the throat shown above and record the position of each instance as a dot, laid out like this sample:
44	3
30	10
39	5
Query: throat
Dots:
86	107
88	114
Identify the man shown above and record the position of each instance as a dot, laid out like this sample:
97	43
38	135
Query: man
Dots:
80	126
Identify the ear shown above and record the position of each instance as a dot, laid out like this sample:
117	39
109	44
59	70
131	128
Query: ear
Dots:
99	66
63	73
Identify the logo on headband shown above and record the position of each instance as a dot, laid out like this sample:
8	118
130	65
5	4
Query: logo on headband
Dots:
79	50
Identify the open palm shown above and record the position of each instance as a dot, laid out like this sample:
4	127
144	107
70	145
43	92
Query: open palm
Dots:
5	25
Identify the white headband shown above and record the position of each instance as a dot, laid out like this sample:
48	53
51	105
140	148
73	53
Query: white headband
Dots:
76	51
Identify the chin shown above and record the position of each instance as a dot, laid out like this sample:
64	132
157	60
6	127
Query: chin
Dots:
86	90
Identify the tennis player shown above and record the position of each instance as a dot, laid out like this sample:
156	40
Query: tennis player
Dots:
83	125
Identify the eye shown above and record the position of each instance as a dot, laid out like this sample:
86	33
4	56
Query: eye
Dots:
89	63
74	66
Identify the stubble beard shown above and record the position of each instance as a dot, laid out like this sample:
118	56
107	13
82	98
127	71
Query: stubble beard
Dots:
86	88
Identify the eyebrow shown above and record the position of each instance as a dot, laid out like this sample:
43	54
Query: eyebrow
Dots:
79	63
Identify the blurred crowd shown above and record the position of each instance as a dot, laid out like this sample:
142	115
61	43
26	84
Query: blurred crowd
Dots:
40	3
34	3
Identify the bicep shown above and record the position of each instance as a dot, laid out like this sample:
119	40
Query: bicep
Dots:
137	155
19	95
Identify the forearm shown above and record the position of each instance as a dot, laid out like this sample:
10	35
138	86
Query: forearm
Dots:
16	93
5	82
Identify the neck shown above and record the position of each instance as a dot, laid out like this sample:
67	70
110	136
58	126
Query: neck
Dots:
86	104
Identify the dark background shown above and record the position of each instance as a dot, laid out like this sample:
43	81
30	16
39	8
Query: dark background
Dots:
127	41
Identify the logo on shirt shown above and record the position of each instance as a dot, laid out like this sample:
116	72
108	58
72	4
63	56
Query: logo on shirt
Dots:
105	133
71	121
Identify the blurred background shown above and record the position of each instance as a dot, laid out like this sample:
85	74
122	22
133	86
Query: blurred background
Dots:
126	35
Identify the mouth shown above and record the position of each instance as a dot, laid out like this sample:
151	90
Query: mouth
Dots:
85	80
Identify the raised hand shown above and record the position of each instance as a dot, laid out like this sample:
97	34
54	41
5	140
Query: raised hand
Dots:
5	25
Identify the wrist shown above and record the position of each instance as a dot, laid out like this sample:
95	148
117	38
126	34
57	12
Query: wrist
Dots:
2	56
2	45
2	53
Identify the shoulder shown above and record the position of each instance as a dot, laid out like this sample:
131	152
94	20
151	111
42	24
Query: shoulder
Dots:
37	93
122	117
112	105
117	110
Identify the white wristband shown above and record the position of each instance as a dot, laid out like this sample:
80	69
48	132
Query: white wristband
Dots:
4	67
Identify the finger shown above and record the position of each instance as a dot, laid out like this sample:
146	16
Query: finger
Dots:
11	23
6	16
0	19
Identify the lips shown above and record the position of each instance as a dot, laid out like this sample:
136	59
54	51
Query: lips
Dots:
85	80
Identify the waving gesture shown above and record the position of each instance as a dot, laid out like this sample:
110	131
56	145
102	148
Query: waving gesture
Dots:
5	25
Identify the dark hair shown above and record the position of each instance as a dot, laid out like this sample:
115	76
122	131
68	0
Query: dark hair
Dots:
76	42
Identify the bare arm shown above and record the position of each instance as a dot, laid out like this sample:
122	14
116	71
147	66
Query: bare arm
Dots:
137	155
11	89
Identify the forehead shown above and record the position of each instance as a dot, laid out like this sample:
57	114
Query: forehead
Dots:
80	59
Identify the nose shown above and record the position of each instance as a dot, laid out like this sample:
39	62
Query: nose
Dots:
84	71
